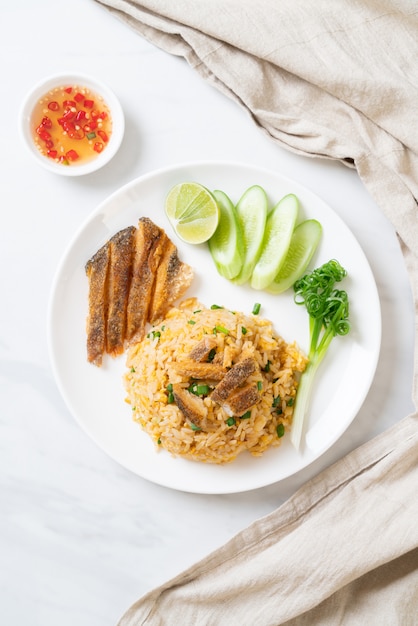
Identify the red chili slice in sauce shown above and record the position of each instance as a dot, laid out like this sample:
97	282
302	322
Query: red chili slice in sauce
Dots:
68	128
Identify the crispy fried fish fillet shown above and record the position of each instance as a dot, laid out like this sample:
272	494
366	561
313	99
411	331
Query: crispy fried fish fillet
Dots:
97	272
203	348
133	279
242	399
190	405
198	370
148	251
173	277
119	280
235	377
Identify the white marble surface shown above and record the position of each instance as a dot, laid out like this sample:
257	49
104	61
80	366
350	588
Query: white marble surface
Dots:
81	537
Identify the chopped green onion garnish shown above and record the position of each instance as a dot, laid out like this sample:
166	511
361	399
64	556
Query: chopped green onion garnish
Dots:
91	135
170	397
132	370
290	402
276	401
169	387
280	430
266	368
199	390
244	331
220	329
246	415
191	322
159	441
259	385
216	306
197	311
211	354
230	421
194	427
256	308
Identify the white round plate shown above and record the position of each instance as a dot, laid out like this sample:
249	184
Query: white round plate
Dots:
95	396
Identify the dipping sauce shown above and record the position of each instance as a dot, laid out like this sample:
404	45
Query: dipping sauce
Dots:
71	125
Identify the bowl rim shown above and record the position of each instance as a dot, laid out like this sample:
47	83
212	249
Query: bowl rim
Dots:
85	80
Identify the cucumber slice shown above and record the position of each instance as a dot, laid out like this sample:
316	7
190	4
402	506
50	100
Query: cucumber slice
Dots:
226	245
252	215
304	242
278	232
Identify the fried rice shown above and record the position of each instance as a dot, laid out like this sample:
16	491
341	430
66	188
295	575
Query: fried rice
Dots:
196	353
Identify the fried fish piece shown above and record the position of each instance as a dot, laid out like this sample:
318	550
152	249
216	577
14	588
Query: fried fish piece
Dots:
189	404
193	408
133	279
197	370
97	273
172	279
203	348
235	377
147	255
241	400
119	280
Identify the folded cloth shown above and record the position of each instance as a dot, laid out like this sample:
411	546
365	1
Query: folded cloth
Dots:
333	80
342	550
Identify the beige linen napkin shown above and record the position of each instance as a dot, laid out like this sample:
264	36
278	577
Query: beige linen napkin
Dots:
335	80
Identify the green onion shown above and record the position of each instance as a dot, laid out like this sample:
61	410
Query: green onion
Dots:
197	311
216	306
256	308
244	331
211	355
246	415
159	441
259	385
266	368
169	387
220	329
280	430
170	397
230	421
276	401
290	402
191	322
91	135
133	370
199	390
194	427
328	310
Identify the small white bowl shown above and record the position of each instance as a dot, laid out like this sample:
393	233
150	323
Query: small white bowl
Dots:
96	86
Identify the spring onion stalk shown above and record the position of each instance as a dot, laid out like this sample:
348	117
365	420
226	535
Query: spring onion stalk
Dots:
328	311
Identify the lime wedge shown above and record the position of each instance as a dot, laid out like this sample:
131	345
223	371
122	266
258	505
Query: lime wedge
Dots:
226	245
192	211
278	232
252	215
303	244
